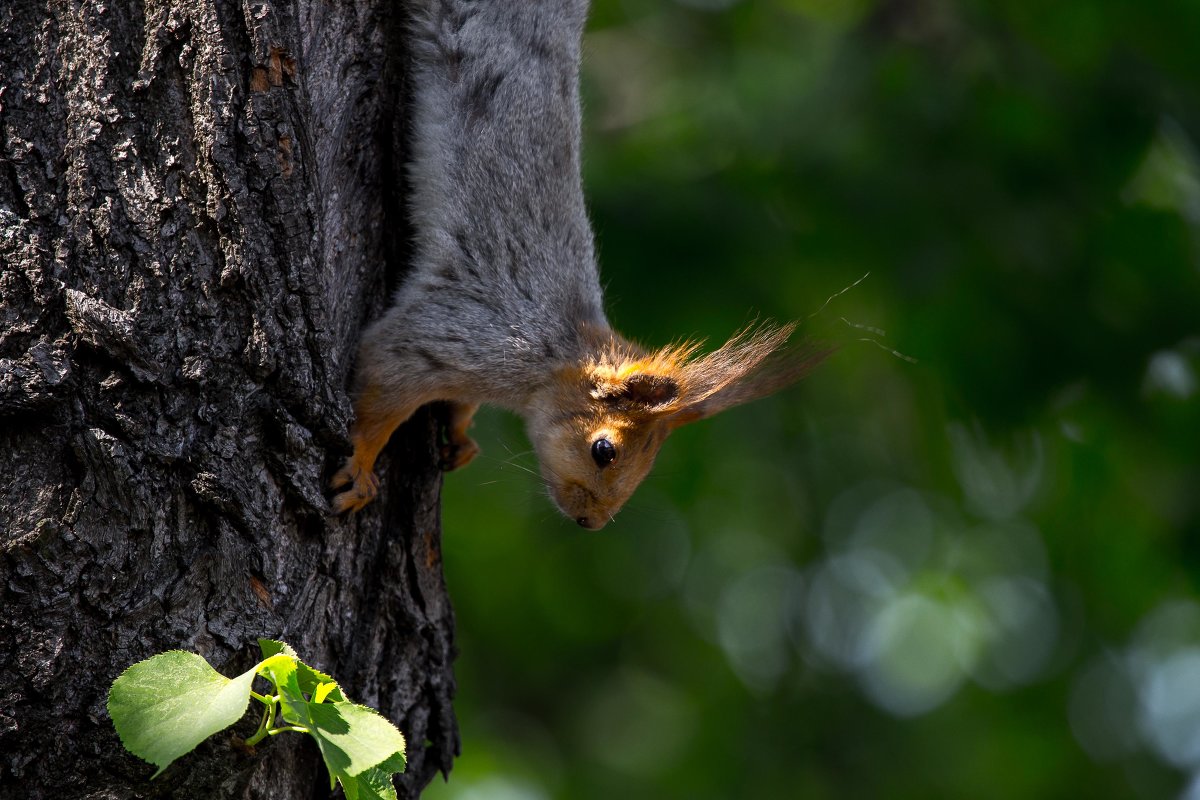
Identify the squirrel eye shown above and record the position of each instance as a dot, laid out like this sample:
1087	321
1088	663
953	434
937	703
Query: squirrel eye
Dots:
603	452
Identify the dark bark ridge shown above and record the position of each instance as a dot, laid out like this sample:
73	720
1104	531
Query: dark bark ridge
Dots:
197	198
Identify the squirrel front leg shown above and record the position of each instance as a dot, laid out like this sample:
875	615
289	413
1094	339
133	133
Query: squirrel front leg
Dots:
377	413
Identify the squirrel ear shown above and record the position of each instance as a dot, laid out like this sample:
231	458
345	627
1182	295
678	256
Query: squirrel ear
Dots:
642	390
650	390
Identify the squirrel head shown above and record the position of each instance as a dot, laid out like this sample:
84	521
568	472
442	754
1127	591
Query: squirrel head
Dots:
598	425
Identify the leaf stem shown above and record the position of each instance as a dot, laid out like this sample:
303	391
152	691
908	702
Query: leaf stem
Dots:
286	728
268	719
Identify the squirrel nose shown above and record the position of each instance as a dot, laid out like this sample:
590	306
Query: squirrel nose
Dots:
584	522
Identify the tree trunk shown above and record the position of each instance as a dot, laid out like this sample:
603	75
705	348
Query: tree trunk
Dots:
199	203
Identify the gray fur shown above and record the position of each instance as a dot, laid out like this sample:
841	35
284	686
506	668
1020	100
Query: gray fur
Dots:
504	273
503	304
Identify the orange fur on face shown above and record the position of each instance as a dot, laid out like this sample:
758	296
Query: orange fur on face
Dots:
634	399
585	491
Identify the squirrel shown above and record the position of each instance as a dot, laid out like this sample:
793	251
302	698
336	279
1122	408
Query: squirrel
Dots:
503	303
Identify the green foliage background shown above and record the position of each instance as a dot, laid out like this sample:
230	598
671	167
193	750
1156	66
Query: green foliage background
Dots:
969	576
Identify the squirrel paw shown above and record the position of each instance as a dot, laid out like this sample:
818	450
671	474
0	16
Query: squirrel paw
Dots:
363	487
458	453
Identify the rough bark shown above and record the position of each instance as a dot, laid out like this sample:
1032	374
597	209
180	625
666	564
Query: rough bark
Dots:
199	208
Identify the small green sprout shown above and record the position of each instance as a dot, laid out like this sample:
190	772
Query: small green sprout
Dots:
166	705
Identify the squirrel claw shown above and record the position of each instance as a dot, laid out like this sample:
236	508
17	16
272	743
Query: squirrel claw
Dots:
457	454
364	486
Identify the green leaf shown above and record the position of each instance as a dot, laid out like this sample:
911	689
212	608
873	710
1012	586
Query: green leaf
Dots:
166	705
274	647
372	784
352	738
279	669
293	708
311	680
323	691
396	763
308	679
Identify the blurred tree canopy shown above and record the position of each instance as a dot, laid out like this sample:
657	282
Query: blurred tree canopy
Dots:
960	560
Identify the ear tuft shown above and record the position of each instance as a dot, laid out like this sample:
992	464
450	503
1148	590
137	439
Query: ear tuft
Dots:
752	364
